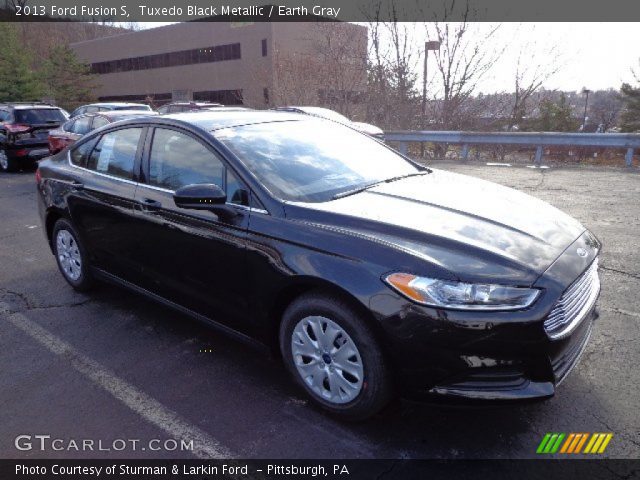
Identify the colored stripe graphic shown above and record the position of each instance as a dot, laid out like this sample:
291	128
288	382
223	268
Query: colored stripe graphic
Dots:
572	443
567	443
582	442
606	441
543	443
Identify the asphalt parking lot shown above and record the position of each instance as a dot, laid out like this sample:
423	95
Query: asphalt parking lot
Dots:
114	366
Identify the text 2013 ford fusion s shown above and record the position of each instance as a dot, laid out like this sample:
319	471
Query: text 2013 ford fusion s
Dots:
371	275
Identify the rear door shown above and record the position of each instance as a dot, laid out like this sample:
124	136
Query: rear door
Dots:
102	203
193	258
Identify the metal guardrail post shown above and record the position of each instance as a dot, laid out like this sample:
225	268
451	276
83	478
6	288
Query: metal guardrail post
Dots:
465	152
629	157
403	148
538	158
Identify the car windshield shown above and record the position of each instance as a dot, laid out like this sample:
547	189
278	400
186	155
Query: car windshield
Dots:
313	160
39	115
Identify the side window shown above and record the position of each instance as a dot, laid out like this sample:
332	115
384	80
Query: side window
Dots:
236	191
115	153
98	122
4	115
80	153
91	109
82	125
68	127
163	109
177	160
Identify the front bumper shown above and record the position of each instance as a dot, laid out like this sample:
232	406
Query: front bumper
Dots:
515	383
499	356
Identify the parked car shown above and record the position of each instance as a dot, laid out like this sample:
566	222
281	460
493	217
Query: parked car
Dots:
369	273
107	107
76	127
176	107
367	128
24	128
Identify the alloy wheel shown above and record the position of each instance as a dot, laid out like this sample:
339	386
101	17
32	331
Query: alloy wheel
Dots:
327	359
68	255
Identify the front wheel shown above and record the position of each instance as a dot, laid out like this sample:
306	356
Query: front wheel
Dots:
333	355
71	256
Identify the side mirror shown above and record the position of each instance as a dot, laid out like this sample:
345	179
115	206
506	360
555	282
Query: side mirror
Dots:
204	196
201	196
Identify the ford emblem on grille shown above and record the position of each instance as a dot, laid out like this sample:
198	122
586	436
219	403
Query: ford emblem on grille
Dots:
581	252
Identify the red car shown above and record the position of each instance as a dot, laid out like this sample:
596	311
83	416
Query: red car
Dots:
72	130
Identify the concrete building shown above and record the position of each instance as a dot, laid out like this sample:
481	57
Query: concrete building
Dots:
254	64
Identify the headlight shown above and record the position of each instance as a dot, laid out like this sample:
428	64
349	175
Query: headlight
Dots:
461	296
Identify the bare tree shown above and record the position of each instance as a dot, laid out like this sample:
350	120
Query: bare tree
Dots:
467	52
393	60
534	66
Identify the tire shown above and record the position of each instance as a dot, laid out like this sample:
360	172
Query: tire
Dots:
7	164
353	385
71	256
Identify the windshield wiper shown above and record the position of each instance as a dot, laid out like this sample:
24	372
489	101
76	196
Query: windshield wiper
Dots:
368	186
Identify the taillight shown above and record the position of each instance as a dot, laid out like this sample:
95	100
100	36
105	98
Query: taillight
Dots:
17	128
38	176
20	153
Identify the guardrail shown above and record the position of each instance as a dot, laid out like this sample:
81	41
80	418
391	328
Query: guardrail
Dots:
537	140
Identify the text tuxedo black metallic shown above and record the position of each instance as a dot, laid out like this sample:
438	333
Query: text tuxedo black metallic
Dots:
368	273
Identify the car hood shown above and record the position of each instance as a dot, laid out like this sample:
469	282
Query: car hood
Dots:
470	227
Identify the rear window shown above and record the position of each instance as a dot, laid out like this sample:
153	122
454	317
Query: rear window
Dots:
39	115
146	108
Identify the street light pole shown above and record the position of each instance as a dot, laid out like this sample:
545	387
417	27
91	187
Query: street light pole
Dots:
586	91
428	45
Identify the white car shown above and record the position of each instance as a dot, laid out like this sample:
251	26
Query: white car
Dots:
367	128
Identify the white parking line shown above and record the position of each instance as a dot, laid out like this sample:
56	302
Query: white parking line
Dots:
151	410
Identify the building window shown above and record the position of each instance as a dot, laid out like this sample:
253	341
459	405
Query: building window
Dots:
265	93
226	97
264	47
218	53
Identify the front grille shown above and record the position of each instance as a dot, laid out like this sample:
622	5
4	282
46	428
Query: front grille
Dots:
568	359
574	304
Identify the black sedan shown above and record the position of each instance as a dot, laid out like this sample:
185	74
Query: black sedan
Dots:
368	273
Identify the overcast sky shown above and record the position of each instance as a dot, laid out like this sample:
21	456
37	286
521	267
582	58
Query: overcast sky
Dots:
592	55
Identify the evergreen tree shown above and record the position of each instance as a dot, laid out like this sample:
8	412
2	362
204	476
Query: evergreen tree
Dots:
18	83
68	80
556	116
630	118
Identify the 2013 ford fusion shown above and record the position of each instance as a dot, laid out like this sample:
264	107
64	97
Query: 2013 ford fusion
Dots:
368	273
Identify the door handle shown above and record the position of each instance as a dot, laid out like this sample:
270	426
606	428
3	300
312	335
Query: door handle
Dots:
77	186
149	204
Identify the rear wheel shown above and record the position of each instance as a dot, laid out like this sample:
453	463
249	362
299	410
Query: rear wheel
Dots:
7	164
71	256
333	355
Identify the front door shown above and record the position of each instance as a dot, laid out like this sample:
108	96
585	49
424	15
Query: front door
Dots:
191	257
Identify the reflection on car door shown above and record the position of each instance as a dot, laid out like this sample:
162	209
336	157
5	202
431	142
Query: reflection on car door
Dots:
102	198
191	257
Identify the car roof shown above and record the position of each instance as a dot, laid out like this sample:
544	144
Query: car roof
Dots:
28	106
197	104
125	113
215	119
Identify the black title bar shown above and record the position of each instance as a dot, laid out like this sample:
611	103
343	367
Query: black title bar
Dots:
331	10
